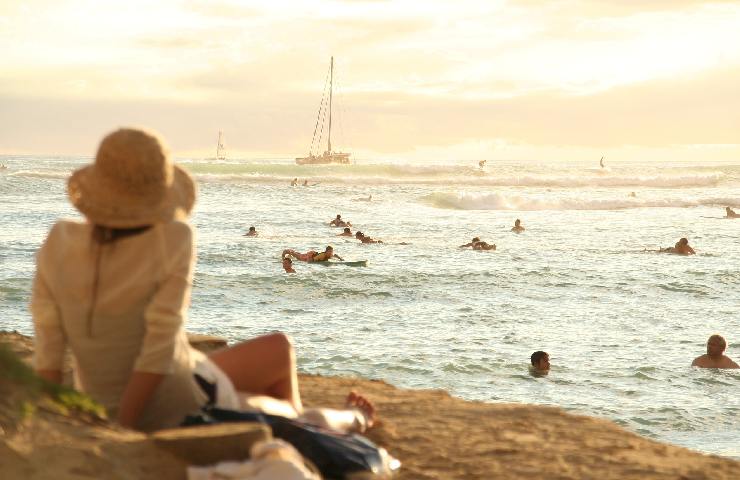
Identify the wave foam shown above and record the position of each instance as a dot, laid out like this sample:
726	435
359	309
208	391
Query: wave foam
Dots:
498	201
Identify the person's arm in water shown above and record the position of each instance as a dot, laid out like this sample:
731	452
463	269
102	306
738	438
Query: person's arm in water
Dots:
340	258
690	250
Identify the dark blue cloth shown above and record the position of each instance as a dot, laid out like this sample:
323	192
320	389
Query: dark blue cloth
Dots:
334	454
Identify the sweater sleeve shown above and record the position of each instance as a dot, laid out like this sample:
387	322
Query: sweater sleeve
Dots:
167	310
50	339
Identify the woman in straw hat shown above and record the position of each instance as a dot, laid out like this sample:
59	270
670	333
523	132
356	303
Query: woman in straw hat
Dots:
115	290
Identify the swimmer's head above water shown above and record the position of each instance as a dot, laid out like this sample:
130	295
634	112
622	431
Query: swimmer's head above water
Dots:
716	345
540	361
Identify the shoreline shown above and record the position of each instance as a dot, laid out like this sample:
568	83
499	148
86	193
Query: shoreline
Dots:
432	433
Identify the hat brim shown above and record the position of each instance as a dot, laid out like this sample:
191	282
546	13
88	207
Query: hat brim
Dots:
105	206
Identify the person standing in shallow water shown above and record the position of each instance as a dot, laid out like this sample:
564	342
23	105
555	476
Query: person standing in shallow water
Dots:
715	357
115	289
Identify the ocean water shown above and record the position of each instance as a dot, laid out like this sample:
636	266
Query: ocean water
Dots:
621	324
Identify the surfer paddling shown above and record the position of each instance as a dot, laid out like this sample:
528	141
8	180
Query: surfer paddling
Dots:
730	213
365	239
478	244
312	255
682	247
288	265
338	222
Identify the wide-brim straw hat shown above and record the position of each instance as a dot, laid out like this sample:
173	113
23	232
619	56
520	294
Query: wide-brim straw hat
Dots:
132	183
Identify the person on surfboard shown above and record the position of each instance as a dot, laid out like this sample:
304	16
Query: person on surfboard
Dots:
312	255
681	248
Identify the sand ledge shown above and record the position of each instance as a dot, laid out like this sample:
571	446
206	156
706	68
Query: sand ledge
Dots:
435	435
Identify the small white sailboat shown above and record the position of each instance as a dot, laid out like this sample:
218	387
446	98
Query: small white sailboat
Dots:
328	156
220	149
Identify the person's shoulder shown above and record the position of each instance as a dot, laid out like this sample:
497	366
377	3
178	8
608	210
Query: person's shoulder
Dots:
178	227
727	362
700	361
68	229
177	232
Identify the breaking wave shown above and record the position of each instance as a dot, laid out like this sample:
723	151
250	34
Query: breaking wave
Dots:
533	176
498	201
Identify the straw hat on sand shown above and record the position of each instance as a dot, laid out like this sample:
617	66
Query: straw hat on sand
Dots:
132	183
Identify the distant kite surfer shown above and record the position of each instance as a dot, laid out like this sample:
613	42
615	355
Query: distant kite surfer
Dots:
482	163
601	162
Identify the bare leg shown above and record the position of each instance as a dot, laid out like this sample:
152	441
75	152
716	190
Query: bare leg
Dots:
358	416
265	366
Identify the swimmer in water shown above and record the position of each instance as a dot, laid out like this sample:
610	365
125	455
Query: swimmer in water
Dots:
251	233
715	357
517	228
484	246
305	183
540	364
346	233
730	213
481	164
288	264
338	222
365	239
294	182
472	243
632	194
312	255
601	162
681	248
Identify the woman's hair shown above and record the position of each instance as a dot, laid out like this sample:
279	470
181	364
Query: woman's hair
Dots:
103	235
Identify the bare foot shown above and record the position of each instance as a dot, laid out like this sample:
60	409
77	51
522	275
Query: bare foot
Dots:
363	405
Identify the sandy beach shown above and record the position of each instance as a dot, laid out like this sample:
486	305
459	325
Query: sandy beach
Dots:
435	435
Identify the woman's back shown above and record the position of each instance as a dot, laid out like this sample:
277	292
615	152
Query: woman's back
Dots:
121	306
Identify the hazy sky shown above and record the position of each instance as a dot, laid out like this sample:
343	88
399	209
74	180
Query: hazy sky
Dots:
457	80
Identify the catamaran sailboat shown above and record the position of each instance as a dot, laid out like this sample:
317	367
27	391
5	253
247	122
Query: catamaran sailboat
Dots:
220	149
328	156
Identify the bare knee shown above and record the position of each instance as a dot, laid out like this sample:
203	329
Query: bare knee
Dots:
280	342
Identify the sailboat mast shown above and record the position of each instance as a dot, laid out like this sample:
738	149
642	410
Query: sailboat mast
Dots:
331	83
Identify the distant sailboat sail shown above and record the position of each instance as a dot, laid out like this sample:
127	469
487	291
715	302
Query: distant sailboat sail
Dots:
328	156
220	149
